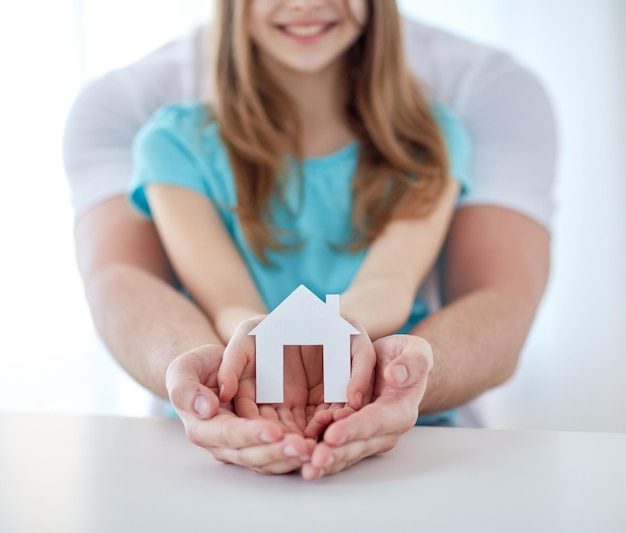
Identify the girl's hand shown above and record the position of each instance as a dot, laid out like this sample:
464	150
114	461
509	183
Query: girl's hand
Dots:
303	410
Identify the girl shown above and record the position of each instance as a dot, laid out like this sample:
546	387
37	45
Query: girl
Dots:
316	162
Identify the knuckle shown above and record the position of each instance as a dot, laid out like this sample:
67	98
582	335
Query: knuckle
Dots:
194	438
176	393
219	456
388	444
222	437
193	435
425	362
406	424
283	467
248	325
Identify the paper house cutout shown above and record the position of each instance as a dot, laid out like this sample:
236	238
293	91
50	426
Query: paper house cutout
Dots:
302	319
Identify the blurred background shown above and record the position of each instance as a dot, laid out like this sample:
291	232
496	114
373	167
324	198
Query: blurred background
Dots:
572	374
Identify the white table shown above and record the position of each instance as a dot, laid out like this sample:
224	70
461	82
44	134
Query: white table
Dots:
97	474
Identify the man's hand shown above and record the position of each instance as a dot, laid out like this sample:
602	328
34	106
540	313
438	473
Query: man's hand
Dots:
262	445
269	438
403	363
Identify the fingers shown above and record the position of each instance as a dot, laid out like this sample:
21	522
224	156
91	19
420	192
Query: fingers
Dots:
191	381
409	351
363	363
383	417
327	460
260	445
286	417
324	416
404	362
285	456
291	418
266	439
239	357
226	430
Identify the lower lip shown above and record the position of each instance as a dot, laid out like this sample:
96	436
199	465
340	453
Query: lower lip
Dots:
307	39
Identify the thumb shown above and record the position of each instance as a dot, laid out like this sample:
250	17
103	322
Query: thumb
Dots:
187	378
239	357
399	374
406	359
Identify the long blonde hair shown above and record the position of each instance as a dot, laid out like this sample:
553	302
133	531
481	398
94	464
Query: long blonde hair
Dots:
403	161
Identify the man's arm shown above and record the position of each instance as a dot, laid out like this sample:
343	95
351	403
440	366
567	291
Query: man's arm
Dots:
496	267
143	320
164	341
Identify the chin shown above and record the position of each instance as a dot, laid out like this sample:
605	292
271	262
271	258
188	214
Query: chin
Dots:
306	66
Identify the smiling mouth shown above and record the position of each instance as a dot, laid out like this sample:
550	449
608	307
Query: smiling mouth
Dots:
306	30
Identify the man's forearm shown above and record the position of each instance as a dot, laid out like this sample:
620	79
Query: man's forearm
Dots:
144	322
476	341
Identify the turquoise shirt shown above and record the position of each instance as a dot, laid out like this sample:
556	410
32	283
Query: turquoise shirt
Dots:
177	146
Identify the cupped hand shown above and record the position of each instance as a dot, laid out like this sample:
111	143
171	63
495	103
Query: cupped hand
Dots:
403	363
261	444
303	399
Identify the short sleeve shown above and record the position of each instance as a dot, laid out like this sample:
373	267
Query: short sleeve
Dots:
458	145
513	129
109	111
167	151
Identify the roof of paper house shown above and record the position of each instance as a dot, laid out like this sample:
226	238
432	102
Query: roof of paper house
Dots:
302	318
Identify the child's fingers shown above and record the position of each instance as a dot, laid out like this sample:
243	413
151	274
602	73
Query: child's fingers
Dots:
286	417
239	358
324	417
361	375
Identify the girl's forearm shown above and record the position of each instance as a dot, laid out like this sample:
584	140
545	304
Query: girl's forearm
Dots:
228	318
382	293
382	305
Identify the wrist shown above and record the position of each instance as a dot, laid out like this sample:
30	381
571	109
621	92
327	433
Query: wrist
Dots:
228	319
382	306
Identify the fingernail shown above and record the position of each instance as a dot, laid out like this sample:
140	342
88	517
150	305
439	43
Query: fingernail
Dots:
330	460
221	391
341	440
201	405
266	437
359	399
400	373
290	450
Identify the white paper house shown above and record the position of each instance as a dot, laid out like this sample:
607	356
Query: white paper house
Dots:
303	319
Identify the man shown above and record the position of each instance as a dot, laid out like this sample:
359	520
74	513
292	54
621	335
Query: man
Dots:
492	273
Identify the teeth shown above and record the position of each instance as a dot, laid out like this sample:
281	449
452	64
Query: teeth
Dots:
305	31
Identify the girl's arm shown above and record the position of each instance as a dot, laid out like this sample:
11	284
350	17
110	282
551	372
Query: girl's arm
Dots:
382	293
204	257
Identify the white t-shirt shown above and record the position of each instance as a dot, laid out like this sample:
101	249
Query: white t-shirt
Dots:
503	106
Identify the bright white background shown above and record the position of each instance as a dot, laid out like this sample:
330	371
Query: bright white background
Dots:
573	370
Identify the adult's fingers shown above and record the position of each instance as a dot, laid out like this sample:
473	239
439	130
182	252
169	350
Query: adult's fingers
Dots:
327	460
403	366
280	457
226	430
382	417
191	381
